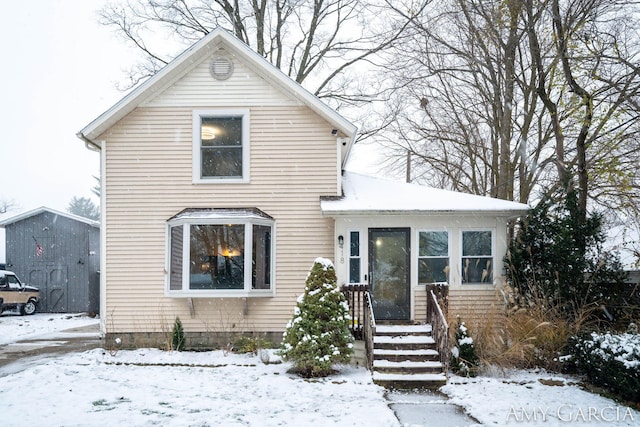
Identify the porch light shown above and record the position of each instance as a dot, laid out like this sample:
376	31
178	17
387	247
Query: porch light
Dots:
341	241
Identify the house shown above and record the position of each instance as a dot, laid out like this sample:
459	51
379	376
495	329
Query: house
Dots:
60	254
222	181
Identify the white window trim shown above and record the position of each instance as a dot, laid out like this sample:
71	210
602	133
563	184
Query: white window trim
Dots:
493	256
196	142
247	291
449	247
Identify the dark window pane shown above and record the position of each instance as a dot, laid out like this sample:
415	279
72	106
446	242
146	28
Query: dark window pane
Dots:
432	270
217	257
476	243
354	270
434	243
355	243
221	162
477	270
221	131
175	276
261	274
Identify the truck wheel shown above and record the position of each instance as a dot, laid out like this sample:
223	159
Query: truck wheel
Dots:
29	308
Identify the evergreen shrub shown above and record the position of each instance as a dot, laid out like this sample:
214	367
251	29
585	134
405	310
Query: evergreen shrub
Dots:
611	361
318	335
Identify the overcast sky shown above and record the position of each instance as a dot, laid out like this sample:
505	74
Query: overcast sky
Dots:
58	72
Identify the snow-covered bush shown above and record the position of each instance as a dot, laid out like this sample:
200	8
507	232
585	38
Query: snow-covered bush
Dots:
464	359
611	361
318	335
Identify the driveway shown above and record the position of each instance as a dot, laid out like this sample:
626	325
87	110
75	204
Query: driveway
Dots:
17	356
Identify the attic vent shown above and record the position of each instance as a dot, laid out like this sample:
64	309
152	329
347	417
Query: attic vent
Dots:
221	67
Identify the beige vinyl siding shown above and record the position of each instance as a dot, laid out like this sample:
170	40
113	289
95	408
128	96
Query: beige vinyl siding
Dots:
149	179
476	307
244	88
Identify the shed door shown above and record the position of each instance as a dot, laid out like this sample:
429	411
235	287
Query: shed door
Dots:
389	265
53	283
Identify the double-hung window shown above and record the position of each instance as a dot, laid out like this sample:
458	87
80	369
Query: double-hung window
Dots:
433	257
220	146
221	252
477	256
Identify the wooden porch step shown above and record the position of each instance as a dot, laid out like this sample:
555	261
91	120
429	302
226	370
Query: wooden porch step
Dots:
415	381
407	367
403	329
400	355
405	356
403	342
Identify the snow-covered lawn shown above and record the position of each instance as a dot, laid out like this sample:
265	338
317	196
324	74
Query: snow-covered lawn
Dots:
152	387
535	398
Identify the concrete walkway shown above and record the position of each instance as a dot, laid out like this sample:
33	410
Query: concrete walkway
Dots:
427	408
419	408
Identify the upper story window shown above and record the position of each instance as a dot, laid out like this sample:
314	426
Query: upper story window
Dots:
477	256
220	146
220	252
433	256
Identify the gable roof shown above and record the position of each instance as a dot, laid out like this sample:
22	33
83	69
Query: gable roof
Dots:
42	209
368	195
194	55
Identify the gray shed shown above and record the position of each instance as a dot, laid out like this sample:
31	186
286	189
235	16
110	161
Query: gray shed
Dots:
59	253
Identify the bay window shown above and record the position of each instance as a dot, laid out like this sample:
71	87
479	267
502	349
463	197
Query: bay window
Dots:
220	252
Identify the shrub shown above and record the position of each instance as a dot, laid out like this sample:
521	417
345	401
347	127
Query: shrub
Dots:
178	342
250	344
559	261
318	334
464	360
531	334
610	361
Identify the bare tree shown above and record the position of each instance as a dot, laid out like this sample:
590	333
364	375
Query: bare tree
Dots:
466	109
505	98
323	44
595	108
7	205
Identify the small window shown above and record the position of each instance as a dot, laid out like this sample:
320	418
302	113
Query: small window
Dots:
220	252
354	257
433	257
220	145
477	256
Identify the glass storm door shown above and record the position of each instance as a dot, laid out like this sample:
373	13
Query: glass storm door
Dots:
389	262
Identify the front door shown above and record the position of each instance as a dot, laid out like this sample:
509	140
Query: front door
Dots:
389	262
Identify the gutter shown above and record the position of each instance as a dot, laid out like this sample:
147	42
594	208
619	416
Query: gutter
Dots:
88	143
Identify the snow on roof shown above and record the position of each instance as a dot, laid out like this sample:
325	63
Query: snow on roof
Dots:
365	195
38	211
221	213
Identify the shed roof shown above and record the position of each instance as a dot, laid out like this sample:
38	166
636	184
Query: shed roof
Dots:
194	55
364	194
42	209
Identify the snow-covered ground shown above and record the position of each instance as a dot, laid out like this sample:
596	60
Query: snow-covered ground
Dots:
152	387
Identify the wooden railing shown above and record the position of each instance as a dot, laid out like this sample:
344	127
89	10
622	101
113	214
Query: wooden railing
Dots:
355	295
363	322
369	330
437	297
